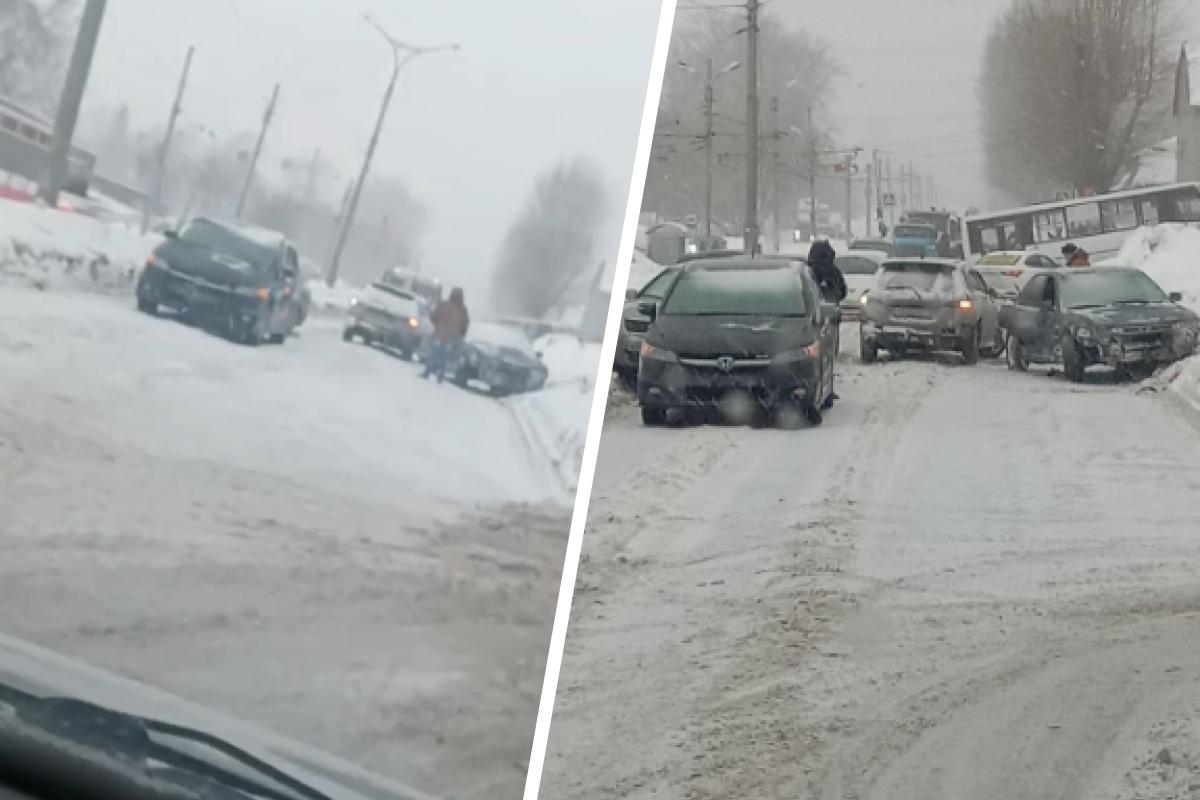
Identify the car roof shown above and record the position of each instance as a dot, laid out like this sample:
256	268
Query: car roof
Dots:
941	262
743	262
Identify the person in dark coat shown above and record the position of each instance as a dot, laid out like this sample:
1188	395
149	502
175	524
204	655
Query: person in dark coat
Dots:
450	324
821	259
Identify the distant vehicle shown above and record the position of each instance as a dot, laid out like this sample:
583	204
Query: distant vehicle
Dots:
1098	224
946	223
70	729
387	317
501	358
1006	271
428	289
878	245
237	279
804	231
634	323
929	305
914	239
859	268
1081	317
739	329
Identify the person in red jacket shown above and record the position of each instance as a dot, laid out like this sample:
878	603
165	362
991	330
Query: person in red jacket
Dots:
450	324
1076	256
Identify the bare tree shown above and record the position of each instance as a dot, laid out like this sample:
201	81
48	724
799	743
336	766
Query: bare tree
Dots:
549	250
1066	90
35	39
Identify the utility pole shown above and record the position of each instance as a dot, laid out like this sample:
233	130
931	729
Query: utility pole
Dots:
812	175
912	186
775	168
155	197
869	196
398	63
751	232
849	197
708	152
311	188
57	166
890	191
258	146
337	227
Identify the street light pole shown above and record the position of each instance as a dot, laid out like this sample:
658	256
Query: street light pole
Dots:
258	146
80	67
151	202
751	227
398	63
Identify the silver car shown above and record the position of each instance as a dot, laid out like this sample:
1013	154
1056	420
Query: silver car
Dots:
928	305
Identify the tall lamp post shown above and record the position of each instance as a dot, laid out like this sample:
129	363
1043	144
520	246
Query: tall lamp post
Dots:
709	115
402	53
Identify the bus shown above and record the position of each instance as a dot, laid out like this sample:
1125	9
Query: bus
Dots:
1099	224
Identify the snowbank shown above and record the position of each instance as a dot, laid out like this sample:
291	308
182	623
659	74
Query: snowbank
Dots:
554	421
43	248
1170	253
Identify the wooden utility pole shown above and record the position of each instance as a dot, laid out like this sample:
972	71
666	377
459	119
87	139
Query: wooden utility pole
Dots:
258	146
751	229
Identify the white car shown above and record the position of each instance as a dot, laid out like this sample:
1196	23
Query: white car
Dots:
1005	271
858	269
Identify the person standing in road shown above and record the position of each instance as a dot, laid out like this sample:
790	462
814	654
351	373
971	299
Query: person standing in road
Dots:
450	324
821	259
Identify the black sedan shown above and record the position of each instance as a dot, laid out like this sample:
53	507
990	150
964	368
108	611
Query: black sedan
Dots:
741	334
236	279
502	358
1112	316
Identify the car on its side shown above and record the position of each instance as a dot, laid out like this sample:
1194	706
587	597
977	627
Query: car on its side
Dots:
387	317
240	280
502	358
1005	271
859	268
914	239
878	245
1086	316
737	329
929	305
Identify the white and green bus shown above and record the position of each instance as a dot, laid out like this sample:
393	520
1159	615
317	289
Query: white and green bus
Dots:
1099	224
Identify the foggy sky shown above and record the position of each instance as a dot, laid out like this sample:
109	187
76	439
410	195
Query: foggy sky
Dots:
469	131
911	68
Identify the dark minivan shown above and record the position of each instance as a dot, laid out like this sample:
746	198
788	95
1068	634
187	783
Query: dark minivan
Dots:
739	331
239	280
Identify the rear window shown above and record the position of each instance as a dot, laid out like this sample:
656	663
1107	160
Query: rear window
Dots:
1000	260
738	292
922	277
915	232
203	233
856	265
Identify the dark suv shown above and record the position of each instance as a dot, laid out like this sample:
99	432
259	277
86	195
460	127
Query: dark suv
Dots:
240	280
739	329
1114	316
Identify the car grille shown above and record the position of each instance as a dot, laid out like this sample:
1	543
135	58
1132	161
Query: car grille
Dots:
637	325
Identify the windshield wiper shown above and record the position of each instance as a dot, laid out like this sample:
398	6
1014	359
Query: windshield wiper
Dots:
129	736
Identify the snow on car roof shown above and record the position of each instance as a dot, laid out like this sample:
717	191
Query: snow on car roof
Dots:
264	237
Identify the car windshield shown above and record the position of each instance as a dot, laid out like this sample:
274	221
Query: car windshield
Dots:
1003	282
857	265
1108	287
922	277
777	292
223	240
916	232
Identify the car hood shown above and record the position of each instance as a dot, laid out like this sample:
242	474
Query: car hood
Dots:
707	337
41	672
1150	314
209	265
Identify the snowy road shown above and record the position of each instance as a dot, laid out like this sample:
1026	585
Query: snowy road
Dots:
308	537
967	583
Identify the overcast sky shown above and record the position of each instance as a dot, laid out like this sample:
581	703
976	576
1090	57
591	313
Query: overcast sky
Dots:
535	82
911	68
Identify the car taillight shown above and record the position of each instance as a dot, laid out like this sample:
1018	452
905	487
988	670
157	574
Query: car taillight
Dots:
263	294
966	304
412	322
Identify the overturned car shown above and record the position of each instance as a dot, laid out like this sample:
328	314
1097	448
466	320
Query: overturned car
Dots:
1105	316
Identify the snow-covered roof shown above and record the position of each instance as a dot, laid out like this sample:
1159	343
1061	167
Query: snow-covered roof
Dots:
1153	166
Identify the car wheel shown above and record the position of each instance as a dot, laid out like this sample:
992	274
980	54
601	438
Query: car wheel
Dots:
813	415
788	416
147	306
277	338
653	415
348	335
970	347
252	331
406	354
1072	361
868	351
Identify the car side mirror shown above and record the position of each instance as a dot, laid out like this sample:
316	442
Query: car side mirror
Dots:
631	294
1175	297
648	309
171	233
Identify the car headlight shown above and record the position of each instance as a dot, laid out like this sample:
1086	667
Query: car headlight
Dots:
1083	333
653	353
157	261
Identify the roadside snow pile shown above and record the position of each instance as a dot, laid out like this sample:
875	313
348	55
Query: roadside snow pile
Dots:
46	248
331	300
1170	254
554	420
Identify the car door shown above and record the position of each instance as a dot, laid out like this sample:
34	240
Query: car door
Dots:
1027	313
984	299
